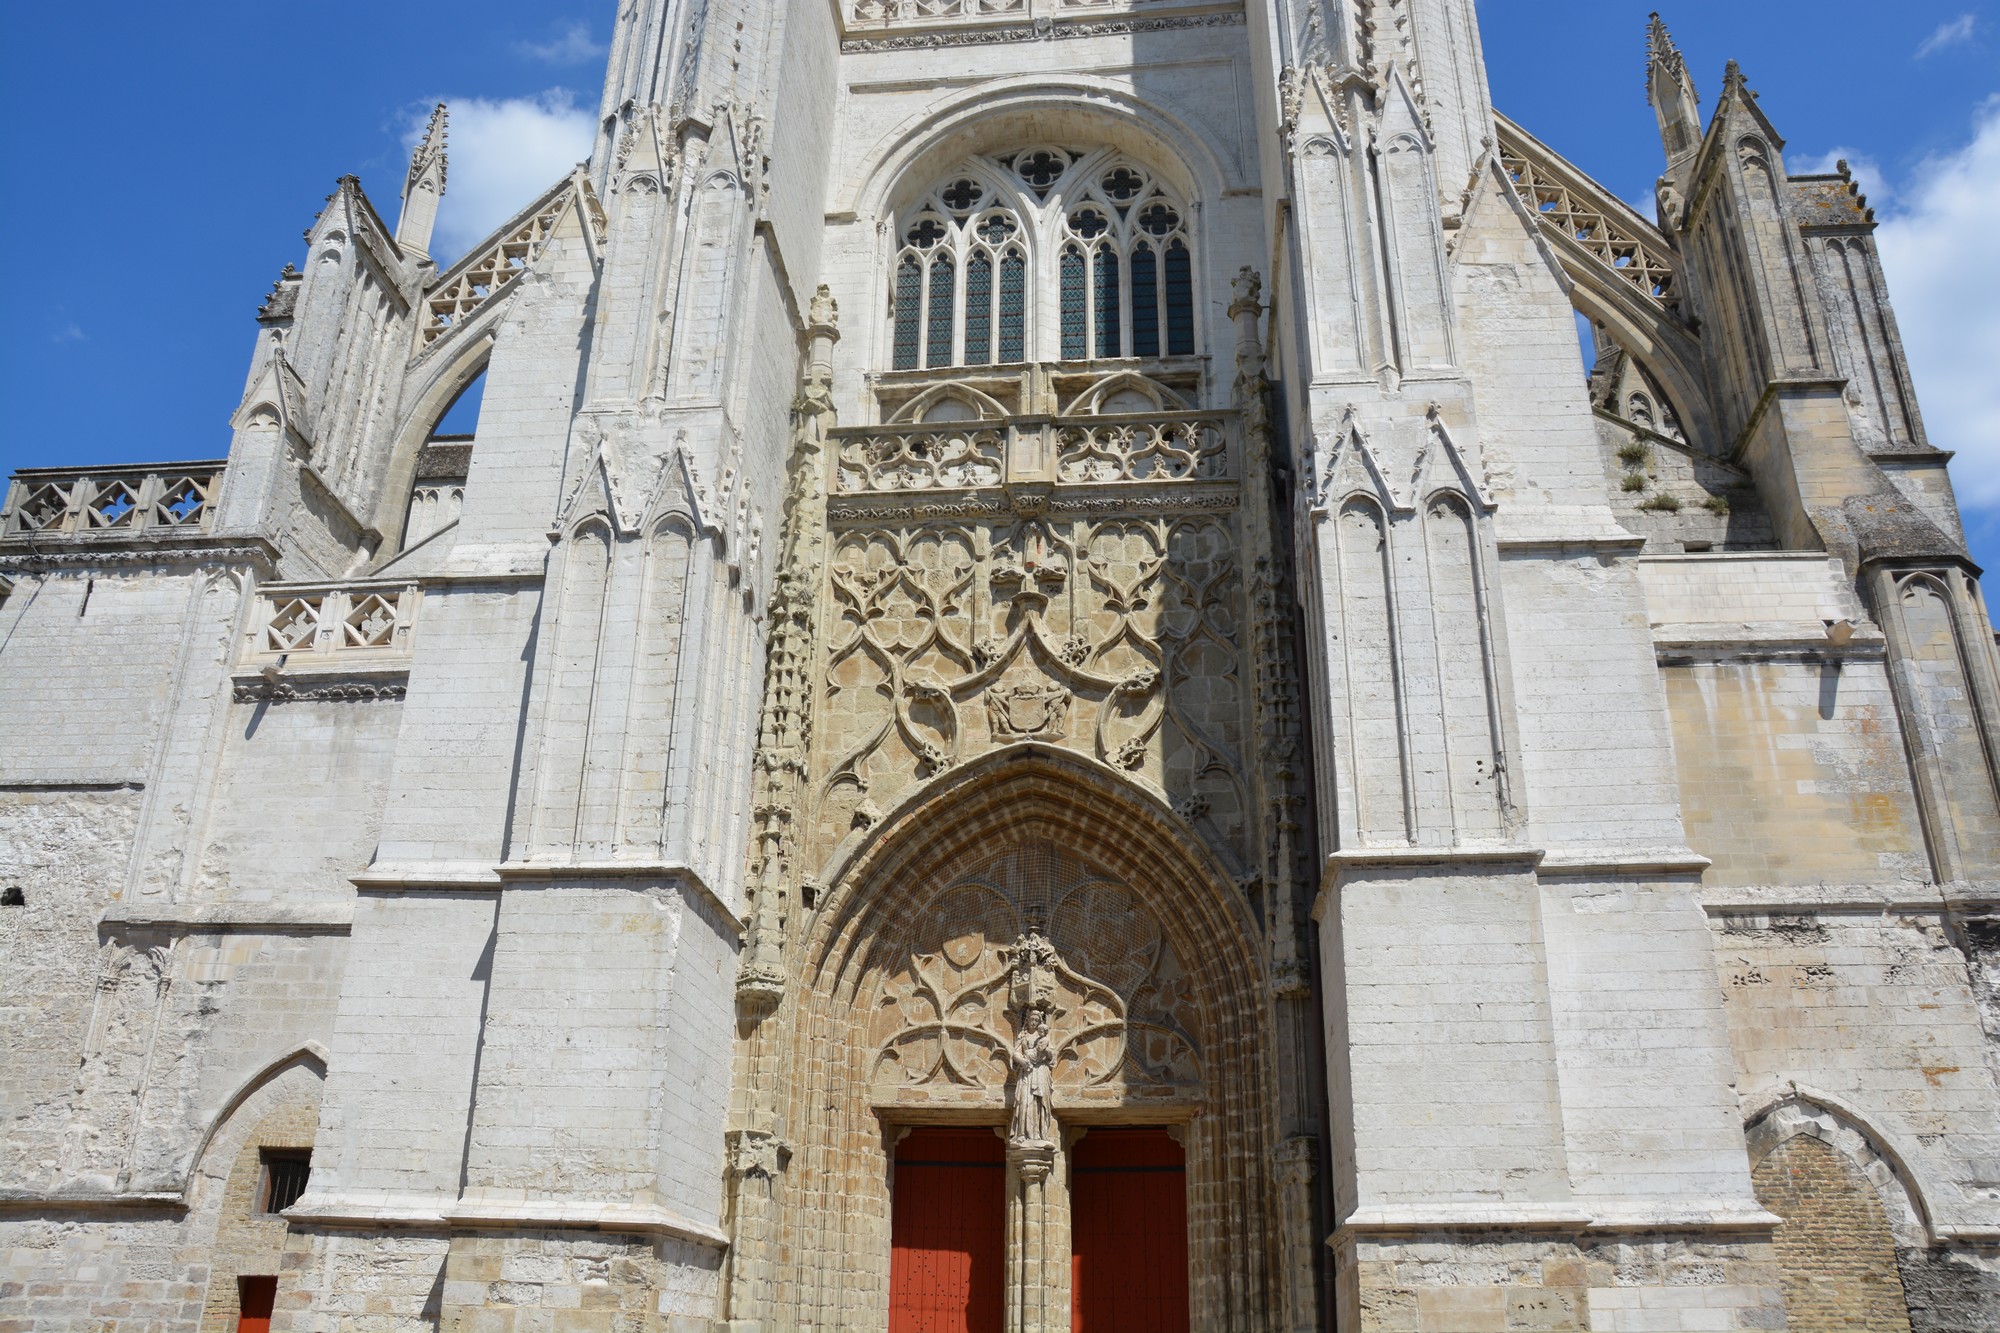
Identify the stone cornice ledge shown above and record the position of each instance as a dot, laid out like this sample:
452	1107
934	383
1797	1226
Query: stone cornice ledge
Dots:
1626	1218
1643	861
589	1216
1342	864
1786	899
271	918
418	876
515	871
25	1201
1417	856
20	556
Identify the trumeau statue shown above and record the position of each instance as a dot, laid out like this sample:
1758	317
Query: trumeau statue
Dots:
1034	1061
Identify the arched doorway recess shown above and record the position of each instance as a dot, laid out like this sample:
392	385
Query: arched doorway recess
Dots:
1033	881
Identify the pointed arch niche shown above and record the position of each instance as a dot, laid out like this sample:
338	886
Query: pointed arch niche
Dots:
909	998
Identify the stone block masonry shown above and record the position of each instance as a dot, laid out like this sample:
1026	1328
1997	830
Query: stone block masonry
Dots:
1043	566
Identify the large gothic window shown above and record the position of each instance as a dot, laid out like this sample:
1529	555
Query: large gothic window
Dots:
1091	245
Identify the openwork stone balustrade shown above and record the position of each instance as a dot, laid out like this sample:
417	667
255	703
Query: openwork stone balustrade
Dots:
149	500
348	620
966	455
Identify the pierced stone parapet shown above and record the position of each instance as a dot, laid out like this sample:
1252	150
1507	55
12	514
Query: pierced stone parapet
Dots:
461	291
318	641
144	501
1038	15
1078	450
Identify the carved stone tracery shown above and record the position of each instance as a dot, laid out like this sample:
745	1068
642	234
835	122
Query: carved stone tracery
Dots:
955	1001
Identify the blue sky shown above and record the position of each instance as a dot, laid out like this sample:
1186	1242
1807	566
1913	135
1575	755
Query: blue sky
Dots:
164	159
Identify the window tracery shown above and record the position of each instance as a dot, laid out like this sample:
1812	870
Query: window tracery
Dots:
1096	233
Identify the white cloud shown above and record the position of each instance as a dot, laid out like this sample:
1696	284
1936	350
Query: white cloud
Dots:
1935	239
503	152
68	331
573	46
1955	33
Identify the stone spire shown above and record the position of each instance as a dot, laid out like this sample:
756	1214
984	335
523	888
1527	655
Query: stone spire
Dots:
424	187
1670	89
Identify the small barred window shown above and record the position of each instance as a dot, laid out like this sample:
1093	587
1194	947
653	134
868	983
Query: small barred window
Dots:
1109	243
286	1173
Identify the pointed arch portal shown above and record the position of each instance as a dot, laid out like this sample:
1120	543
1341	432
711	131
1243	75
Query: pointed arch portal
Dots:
1031	880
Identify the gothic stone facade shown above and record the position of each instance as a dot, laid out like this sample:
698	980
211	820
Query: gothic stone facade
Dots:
1035	565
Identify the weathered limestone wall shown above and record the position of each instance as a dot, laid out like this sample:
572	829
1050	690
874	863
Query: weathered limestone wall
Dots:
297	803
95	717
163	1267
1872	1010
617	1108
66	850
1788	745
1624	1284
392	1124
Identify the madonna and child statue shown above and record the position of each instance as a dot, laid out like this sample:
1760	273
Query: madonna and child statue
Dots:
1034	1061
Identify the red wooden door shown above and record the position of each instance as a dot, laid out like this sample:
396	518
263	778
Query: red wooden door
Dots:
1128	1233
254	1298
947	1226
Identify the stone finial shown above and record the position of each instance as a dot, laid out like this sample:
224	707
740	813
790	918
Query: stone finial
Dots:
431	148
1661	52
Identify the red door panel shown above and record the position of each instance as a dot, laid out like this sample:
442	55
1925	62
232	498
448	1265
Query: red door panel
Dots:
1128	1229
947	1225
254	1297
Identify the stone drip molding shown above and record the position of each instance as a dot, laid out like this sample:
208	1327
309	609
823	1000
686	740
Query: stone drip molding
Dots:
259	690
18	560
1041	31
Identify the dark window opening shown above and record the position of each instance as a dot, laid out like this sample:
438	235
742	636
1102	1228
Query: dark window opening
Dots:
286	1171
1107	304
937	349
978	310
1145	302
1073	345
12	896
909	312
1180	301
1013	308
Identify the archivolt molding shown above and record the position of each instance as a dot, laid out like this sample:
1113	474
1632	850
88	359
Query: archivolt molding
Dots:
239	1113
1014	111
1796	1111
910	993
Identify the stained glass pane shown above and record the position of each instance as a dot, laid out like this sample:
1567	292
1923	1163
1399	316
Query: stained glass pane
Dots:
978	310
937	347
1013	308
1105	294
1145	301
1075	347
909	309
1180	301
